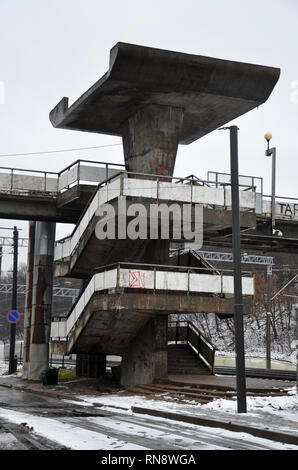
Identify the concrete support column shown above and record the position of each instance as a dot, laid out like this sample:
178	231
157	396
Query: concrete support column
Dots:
150	139
146	358
41	298
28	299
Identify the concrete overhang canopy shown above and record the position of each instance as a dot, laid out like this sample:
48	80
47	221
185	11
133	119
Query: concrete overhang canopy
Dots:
211	91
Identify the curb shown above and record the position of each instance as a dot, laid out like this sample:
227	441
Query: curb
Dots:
258	432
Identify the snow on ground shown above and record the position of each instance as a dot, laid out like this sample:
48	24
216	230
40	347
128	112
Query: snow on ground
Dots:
286	406
66	434
9	442
3	368
137	432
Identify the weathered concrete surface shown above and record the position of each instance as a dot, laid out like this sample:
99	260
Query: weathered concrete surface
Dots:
91	253
41	298
65	208
146	357
28	299
210	91
150	139
111	321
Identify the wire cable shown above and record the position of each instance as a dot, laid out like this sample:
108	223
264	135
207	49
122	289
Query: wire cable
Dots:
57	151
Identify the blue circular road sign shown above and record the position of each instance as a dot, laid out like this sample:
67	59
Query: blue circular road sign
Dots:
13	316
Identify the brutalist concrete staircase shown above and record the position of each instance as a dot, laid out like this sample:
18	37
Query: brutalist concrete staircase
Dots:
182	360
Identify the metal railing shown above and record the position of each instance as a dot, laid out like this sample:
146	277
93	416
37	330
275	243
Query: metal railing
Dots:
57	290
186	332
220	179
20	181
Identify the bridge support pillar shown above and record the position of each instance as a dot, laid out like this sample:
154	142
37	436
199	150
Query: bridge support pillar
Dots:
151	138
147	357
28	300
41	298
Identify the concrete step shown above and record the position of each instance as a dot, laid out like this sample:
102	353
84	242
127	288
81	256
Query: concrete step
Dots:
183	360
188	371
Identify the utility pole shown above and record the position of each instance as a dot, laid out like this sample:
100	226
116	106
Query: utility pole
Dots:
238	302
12	365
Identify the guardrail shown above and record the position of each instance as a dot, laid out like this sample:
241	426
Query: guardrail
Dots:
187	332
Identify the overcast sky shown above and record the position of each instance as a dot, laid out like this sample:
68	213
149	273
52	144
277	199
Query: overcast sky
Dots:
61	47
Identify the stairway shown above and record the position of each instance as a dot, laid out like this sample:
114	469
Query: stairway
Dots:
182	360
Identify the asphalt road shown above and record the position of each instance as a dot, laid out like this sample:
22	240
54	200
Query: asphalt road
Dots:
96	427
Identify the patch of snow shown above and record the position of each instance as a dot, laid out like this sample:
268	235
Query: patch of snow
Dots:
271	404
66	434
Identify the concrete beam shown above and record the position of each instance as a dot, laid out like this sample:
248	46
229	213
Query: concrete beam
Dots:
111	321
211	91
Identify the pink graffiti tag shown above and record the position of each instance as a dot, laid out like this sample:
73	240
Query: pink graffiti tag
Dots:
136	279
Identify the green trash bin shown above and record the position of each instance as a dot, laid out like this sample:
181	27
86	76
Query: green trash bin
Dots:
50	376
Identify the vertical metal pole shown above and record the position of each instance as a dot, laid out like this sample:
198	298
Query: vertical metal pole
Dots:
12	368
296	327
273	179
1	254
272	152
268	314
238	303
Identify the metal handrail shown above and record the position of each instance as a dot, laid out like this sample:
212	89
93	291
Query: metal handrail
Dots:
128	173
200	335
162	266
89	161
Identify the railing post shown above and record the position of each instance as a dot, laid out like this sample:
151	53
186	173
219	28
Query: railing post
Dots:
188	283
176	332
121	184
213	361
21	352
118	279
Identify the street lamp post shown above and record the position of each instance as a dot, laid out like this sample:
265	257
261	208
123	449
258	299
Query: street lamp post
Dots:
271	152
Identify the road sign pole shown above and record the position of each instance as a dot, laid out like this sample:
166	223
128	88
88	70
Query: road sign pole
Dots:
12	364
